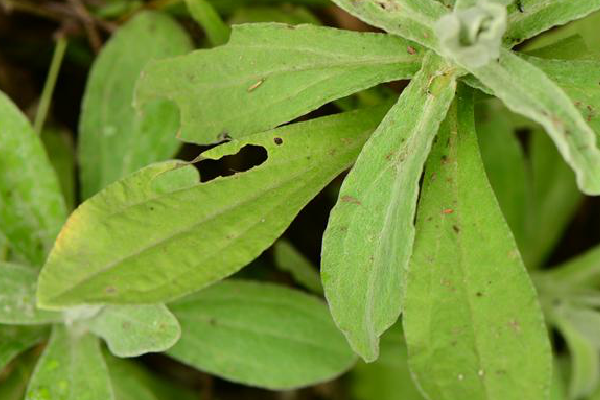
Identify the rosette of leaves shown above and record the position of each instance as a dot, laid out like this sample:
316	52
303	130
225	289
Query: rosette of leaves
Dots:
440	253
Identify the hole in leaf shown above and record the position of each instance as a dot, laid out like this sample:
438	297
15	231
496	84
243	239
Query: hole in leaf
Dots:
248	157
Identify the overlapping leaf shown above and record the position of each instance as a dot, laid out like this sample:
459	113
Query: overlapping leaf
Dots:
114	140
132	330
261	335
236	90
370	233
16	339
71	368
159	233
32	208
472	322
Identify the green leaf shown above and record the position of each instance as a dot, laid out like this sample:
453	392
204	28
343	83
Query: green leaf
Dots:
585	369
528	18
288	258
472	321
71	368
61	151
114	140
133	330
389	377
505	165
410	19
235	90
578	273
527	90
143	242
214	27
131	381
17	297
14	385
16	339
228	6
284	14
32	209
369	237
260	334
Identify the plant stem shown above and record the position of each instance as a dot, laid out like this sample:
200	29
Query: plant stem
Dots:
46	98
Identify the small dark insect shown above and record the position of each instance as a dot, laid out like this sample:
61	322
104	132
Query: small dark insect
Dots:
520	6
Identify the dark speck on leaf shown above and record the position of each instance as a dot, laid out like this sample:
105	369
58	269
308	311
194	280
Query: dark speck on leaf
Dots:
350	199
278	141
456	228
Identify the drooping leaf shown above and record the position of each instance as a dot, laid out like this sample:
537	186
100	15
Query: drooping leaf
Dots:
472	321
133	330
14	385
71	368
32	208
17	297
369	236
578	273
16	339
114	139
131	381
142	242
260	334
527	90
527	18
410	19
235	90
287	258
389	377
61	152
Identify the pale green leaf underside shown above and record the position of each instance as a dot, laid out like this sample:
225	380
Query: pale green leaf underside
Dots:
17	297
114	140
369	237
16	339
410	19
141	242
133	330
527	90
472	321
260	334
71	368
533	17
287	258
32	208
238	90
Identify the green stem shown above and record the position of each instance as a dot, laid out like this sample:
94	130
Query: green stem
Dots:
204	13
46	98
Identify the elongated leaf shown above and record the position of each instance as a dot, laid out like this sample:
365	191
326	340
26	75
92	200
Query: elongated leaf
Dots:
389	377
289	259
142	242
369	237
132	330
17	297
581	272
131	381
71	368
61	151
236	90
214	27
260	334
472	322
32	208
528	18
113	140
585	369
16	339
527	90
13	387
411	19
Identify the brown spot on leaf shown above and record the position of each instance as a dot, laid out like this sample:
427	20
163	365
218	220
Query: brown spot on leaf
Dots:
278	141
447	211
350	199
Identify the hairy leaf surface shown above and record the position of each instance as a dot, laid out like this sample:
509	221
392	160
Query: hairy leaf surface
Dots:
260	334
71	368
133	330
32	208
159	233
114	139
369	237
472	321
236	90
